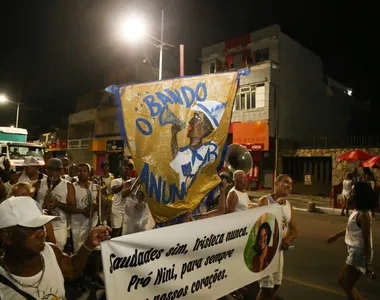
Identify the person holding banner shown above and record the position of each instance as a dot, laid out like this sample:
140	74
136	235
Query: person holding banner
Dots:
270	285
237	198
188	161
221	209
30	267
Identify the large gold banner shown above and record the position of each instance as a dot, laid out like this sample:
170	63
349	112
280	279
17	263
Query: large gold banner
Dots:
176	130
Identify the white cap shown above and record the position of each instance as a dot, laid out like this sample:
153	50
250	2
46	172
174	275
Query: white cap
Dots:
212	109
31	161
22	211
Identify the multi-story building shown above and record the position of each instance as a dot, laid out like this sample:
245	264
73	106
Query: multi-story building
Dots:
286	96
94	129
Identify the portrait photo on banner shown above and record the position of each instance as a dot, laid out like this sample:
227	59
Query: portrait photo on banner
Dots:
262	243
176	130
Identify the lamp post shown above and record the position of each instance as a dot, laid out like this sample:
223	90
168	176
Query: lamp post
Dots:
135	28
4	99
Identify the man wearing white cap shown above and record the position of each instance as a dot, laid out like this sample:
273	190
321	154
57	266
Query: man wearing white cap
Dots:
31	174
57	197
32	268
187	161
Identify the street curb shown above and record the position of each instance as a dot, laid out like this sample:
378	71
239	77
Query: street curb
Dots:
318	209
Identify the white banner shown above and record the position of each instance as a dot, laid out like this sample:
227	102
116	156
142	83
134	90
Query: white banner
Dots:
204	259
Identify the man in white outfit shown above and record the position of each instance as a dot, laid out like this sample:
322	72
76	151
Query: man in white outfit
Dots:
31	174
57	197
237	198
30	267
270	285
86	193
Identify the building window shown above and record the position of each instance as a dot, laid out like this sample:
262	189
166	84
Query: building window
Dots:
250	97
212	67
261	55
238	60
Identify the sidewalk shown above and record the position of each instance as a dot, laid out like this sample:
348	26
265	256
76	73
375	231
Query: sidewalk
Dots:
298	201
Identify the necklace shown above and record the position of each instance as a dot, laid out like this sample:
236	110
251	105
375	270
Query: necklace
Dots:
34	285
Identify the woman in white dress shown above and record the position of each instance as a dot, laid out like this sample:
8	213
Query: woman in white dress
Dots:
347	187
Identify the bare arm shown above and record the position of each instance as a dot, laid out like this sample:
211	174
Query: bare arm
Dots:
292	233
365	223
73	266
117	189
263	201
50	237
232	200
336	236
221	210
71	203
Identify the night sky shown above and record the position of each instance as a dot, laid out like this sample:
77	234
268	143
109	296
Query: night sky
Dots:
56	50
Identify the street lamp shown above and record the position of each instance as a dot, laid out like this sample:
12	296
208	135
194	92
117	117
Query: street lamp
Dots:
4	99
135	28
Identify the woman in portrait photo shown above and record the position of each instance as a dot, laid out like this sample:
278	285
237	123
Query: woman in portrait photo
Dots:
264	252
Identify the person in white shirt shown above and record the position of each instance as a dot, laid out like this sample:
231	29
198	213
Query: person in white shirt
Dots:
237	198
31	174
283	185
57	196
121	188
86	196
30	267
358	237
346	192
105	181
72	176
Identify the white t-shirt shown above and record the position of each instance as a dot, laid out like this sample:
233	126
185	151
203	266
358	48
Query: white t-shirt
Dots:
51	286
347	185
25	178
60	192
118	203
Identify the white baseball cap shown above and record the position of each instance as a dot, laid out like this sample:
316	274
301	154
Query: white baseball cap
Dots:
22	211
31	161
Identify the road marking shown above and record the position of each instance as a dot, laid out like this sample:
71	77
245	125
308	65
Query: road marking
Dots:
315	286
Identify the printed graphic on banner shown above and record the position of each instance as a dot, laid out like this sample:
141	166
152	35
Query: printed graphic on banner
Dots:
176	130
262	243
208	262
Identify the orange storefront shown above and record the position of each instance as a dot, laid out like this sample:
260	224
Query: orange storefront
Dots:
255	137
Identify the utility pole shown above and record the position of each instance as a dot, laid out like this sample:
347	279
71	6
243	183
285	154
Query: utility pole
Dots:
18	107
161	45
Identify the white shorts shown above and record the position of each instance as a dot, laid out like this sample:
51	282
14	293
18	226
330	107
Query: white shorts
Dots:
60	237
117	218
274	279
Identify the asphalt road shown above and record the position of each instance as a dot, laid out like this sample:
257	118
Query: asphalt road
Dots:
312	266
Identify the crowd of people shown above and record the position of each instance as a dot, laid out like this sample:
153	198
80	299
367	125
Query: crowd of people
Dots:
70	208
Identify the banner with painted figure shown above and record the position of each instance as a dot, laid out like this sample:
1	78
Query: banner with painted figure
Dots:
205	259
176	130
